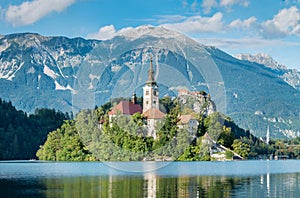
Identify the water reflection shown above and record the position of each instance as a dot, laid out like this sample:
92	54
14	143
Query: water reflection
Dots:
151	185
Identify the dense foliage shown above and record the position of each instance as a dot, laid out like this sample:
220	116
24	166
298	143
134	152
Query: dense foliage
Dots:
21	135
64	144
125	138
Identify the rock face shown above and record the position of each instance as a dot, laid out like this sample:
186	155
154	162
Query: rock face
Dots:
290	76
70	74
199	102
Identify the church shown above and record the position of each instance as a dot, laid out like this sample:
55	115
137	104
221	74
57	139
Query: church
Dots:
150	110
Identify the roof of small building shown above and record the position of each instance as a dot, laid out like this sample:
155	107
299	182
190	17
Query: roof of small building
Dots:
183	91
184	119
126	108
153	113
207	137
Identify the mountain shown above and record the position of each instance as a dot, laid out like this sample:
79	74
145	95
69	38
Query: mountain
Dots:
290	76
70	74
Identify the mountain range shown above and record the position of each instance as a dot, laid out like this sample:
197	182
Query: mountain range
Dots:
69	74
290	76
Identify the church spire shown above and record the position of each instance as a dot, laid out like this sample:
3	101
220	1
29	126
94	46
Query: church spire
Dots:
151	79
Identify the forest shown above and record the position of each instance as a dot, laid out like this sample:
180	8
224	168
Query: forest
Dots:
22	134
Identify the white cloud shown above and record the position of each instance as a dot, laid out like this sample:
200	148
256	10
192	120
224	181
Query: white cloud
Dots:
208	5
249	43
286	22
170	18
247	23
31	11
107	32
104	33
228	3
197	24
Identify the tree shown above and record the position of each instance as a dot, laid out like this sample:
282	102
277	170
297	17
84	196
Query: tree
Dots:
241	148
214	124
64	144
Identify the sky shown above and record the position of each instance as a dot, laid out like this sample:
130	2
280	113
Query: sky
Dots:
234	26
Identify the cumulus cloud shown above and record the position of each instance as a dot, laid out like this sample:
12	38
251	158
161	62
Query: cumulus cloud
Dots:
286	22
194	24
207	5
31	11
198	24
108	32
104	33
247	23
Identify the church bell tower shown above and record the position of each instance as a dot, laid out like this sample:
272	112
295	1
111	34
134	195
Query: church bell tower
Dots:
150	91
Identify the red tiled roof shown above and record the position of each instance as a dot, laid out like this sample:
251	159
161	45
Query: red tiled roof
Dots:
126	108
153	114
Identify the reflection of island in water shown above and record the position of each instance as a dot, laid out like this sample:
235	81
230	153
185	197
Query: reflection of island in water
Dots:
152	185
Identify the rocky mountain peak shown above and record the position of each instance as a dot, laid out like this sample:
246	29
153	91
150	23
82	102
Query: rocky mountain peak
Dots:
148	30
290	76
262	58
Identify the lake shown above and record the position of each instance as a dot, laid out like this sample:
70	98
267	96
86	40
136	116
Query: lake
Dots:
150	179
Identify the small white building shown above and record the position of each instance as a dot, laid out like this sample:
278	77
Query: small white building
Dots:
189	122
153	117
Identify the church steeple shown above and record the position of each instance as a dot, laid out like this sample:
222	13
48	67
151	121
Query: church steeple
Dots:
150	95
151	78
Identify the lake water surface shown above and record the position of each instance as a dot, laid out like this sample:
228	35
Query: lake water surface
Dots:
150	179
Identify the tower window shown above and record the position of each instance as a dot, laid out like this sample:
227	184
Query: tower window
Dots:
154	92
147	93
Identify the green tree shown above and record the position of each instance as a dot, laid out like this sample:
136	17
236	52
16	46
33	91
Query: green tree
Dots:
241	148
64	144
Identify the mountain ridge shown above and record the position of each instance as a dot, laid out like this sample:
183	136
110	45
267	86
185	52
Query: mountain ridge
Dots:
290	76
73	73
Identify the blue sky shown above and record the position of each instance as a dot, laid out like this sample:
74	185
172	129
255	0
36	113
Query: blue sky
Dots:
235	26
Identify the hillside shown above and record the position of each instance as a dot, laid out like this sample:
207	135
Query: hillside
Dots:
71	74
22	134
